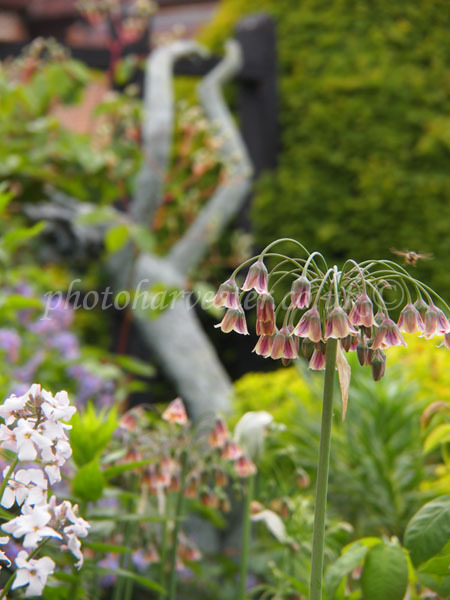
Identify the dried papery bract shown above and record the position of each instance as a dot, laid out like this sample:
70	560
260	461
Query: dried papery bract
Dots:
331	309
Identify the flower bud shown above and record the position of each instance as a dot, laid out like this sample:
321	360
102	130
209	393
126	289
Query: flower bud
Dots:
257	277
378	364
317	362
362	352
421	306
307	348
301	293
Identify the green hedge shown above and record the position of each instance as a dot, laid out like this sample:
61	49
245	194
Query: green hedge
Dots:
365	114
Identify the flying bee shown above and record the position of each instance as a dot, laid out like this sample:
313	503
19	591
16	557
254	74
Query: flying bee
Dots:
410	257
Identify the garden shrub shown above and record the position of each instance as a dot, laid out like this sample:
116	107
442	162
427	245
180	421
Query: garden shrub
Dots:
365	128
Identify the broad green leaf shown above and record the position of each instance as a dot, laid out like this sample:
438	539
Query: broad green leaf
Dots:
437	437
429	530
116	238
385	573
88	483
344	565
438	565
440	585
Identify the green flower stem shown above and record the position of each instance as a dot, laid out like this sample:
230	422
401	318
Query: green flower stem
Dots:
11	579
176	529
7	478
162	564
246	526
315	590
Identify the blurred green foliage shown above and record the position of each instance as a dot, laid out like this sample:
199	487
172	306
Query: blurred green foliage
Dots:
365	128
380	473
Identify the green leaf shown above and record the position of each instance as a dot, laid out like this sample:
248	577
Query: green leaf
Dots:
438	565
17	237
429	530
99	547
144	581
134	365
88	483
16	302
91	434
385	573
344	565
437	437
111	472
116	238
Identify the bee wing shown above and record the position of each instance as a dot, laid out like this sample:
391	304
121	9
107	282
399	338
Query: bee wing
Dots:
424	255
398	252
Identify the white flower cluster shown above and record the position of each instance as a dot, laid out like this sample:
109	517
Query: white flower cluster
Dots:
35	431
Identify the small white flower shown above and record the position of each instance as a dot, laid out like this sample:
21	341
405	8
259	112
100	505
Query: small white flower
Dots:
4	540
7	438
12	407
27	485
27	438
33	573
57	408
32	524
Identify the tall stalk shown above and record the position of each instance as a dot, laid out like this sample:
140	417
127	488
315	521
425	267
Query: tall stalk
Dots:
176	529
246	526
315	589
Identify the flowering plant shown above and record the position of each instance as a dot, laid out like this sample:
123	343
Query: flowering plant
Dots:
34	446
326	312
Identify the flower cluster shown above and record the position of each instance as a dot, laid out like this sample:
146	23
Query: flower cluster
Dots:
34	432
323	303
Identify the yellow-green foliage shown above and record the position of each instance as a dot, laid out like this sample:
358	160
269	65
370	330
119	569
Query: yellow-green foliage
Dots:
280	393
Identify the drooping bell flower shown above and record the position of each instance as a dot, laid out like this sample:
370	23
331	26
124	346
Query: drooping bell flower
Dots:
435	322
310	325
264	345
388	334
175	413
445	342
244	466
378	364
410	320
337	324
362	312
219	435
257	277
265	315
301	292
234	320
227	295
231	451
317	362
277	350
379	318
